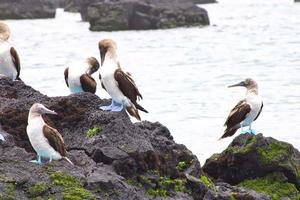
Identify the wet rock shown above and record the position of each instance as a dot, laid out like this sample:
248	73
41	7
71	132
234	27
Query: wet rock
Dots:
249	157
141	15
27	9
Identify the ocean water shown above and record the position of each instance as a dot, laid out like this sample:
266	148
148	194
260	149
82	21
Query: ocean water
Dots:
183	73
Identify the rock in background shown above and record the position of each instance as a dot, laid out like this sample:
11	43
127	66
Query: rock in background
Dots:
27	9
142	14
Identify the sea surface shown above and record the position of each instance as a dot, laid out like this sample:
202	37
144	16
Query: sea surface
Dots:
183	73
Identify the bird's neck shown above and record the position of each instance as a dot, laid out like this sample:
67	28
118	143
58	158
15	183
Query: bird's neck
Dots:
111	55
252	91
33	116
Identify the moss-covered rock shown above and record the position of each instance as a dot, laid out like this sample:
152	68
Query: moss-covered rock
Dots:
92	132
274	185
37	189
250	157
71	187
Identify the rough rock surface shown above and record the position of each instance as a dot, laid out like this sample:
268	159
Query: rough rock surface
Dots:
72	5
204	1
114	159
27	9
255	158
142	14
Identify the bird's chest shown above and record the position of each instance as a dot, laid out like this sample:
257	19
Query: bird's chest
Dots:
74	80
36	136
7	67
255	103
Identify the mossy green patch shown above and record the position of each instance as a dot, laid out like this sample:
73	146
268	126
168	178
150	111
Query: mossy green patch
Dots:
206	181
274	185
181	166
8	192
37	189
71	187
93	131
273	152
243	149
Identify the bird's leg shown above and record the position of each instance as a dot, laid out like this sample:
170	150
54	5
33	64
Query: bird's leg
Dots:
38	161
108	108
50	159
252	131
117	107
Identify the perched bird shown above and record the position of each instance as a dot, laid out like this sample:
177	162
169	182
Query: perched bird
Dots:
78	77
45	140
118	84
9	60
246	111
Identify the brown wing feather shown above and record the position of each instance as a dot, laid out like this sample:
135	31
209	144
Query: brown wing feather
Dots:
238	113
88	84
262	105
127	85
16	61
66	73
55	140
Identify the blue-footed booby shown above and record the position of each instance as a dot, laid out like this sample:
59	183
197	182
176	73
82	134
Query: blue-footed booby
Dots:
246	111
118	84
9	59
78	77
45	140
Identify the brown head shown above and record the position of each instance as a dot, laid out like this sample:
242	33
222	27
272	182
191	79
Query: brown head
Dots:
93	65
4	31
249	83
105	46
38	109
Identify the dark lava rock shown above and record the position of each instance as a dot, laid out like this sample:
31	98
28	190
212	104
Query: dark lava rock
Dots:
72	5
142	14
113	158
250	157
204	1
27	9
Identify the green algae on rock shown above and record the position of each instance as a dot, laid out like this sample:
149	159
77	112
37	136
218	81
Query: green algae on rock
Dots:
274	185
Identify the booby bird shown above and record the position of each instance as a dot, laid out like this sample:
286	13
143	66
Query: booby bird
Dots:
78	77
46	141
118	84
246	111
9	59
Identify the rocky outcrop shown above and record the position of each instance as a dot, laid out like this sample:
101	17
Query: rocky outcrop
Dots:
114	159
260	163
141	15
204	1
72	5
27	9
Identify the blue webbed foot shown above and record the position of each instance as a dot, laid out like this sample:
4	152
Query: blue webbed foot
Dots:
38	161
249	131
114	107
252	131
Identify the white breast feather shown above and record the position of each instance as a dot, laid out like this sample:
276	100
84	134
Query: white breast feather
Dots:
38	141
7	66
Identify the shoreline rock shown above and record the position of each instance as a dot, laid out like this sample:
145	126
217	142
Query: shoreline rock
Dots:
142	15
27	9
114	159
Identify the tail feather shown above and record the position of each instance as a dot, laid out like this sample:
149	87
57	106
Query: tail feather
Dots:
133	112
67	159
138	106
229	132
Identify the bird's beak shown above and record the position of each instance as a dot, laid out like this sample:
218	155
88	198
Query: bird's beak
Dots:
238	84
51	112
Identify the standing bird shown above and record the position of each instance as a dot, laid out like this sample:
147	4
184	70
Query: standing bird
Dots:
118	84
246	111
9	60
78	77
46	141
